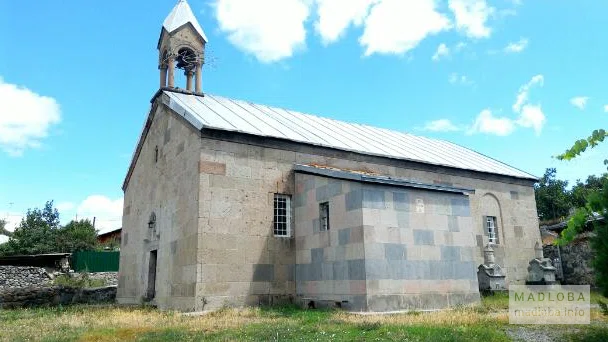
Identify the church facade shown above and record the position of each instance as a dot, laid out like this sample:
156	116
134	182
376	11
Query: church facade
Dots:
234	203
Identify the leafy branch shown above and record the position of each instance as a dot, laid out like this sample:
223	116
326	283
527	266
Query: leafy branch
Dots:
581	145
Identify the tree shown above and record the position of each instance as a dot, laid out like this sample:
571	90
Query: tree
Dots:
553	200
35	234
581	190
596	202
76	236
39	233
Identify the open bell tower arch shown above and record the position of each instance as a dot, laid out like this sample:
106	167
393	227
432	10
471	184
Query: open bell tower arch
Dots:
181	46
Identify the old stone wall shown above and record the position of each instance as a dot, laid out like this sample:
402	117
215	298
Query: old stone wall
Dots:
419	248
23	276
164	182
54	295
241	261
237	184
576	258
330	265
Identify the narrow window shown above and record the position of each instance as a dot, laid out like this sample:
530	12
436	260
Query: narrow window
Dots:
491	229
324	216
156	154
282	215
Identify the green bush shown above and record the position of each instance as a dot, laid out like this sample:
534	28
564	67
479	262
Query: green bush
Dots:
79	281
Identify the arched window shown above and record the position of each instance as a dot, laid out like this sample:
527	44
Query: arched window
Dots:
491	218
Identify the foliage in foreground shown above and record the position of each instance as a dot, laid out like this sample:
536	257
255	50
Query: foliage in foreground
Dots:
596	203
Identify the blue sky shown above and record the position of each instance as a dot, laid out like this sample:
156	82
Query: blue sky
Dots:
518	80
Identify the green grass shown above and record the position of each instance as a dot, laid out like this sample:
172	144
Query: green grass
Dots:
111	323
82	281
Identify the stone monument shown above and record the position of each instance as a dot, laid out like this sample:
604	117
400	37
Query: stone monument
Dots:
490	275
540	269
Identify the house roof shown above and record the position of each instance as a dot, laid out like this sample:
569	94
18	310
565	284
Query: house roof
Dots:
180	16
221	113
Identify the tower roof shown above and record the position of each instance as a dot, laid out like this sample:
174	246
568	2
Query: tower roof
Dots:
181	15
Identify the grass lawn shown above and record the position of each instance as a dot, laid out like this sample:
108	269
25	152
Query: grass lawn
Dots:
489	322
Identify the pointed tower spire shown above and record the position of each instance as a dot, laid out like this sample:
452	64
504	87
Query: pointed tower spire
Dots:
180	16
181	45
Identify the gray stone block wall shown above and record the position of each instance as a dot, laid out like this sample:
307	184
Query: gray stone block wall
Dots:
330	265
419	248
165	187
254	174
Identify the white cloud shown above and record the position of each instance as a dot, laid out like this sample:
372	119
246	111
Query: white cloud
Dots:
522	96
532	116
579	102
486	122
516	47
456	78
12	221
528	115
269	29
606	108
396	26
335	16
460	46
442	51
107	212
25	118
441	125
472	16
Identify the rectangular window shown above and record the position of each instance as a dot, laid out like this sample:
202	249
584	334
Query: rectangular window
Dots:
282	215
324	216
491	229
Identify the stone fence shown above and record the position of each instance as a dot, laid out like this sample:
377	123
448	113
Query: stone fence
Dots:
23	276
575	259
33	286
55	295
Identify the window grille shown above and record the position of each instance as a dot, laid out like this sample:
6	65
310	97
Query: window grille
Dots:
491	229
324	216
282	215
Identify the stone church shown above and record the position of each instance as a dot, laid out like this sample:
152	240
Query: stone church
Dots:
228	202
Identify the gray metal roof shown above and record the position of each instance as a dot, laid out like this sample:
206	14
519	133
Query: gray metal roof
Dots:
216	112
384	180
181	15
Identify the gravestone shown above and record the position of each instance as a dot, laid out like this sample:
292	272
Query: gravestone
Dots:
540	269
490	275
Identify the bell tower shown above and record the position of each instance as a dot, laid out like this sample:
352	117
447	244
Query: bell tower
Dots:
181	46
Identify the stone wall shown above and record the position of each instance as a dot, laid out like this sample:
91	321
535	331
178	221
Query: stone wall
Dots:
330	265
54	295
388	247
576	258
165	182
22	276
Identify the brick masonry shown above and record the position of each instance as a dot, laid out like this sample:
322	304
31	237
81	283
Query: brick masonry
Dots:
213	197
